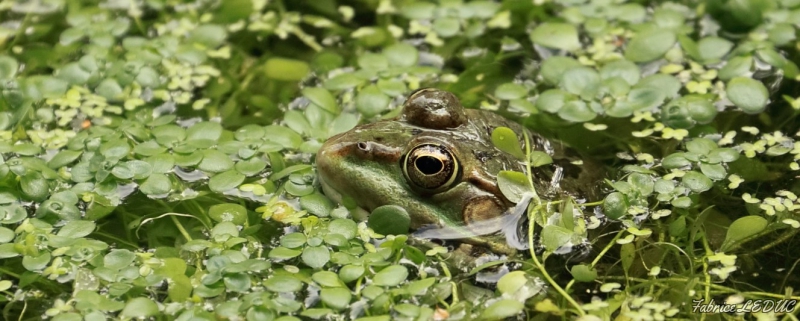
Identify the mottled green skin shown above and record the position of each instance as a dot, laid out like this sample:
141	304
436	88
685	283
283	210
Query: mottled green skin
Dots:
371	174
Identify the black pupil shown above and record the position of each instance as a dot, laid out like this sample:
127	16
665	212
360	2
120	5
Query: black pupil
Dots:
429	165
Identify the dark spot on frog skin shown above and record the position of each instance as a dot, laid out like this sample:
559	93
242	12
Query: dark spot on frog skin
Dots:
482	156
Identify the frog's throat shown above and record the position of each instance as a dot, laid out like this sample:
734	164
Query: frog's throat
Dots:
358	213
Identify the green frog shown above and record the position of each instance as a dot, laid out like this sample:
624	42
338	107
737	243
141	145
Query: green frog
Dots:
437	161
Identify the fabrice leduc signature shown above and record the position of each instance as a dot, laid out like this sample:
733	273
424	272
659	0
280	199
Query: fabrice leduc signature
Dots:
747	306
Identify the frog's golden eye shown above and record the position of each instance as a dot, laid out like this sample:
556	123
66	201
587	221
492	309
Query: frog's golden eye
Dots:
430	167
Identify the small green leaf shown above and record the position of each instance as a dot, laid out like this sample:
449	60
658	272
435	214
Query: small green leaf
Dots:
8	67
554	236
650	45
156	184
350	273
748	94
139	308
501	310
401	54
576	111
556	35
233	213
743	228
77	229
286	69
283	283
225	181
509	91
345	227
389	219
390	276
615	205
322	97
513	185
371	101
696	182
506	140
552	100
316	256
63	158
583	273
337	298
118	259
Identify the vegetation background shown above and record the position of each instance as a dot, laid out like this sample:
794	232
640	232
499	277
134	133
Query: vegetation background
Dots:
157	156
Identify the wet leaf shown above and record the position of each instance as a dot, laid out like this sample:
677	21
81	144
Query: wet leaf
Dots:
506	140
233	213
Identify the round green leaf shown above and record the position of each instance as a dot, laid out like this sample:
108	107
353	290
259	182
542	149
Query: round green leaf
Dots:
513	184
286	69
650	45
556	35
554	67
349	273
321	97
615	205
621	68
696	182
390	276
401	55
576	111
8	67
581	81
283	283
156	184
371	101
552	100
225	181
506	140
293	240
327	279
509	91
139	308
316	256
337	298
233	213
389	219
583	273
502	309
345	227
215	161
76	229
317	204
118	259
748	94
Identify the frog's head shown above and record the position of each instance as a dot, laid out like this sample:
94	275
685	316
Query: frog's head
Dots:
436	160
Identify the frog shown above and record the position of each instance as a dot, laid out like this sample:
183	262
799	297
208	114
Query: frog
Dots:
437	161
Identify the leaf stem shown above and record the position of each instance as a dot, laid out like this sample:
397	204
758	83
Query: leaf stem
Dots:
180	228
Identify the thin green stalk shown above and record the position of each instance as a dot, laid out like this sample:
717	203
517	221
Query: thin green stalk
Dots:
541	268
599	256
180	228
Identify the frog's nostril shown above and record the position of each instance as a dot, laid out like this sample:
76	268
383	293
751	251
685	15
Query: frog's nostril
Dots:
363	146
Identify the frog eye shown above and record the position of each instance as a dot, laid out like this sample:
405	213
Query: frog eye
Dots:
430	167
